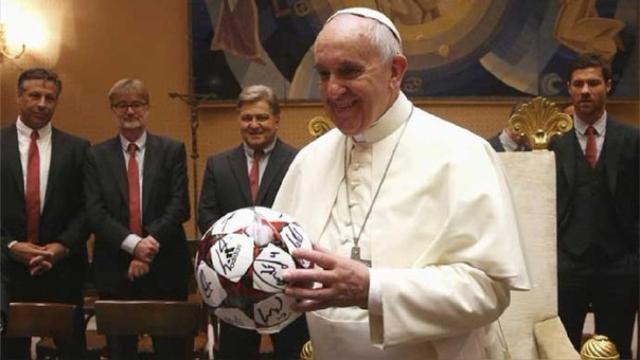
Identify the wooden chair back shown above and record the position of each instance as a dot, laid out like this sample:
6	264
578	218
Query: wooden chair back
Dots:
156	318
40	319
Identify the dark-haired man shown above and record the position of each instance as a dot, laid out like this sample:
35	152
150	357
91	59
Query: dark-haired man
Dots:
597	184
43	220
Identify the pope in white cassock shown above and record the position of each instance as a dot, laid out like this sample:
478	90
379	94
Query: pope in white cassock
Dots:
416	240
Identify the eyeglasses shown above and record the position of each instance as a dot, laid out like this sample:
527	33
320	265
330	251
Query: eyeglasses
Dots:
123	106
258	117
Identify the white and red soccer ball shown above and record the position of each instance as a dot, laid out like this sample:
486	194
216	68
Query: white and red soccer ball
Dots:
239	266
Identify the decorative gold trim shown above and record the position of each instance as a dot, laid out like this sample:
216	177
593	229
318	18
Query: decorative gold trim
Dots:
307	351
539	120
599	347
319	125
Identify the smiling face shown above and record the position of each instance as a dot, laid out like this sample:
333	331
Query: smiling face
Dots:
37	100
258	125
356	83
588	90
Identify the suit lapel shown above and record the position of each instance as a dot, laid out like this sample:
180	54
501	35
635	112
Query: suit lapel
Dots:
238	165
57	147
115	157
151	165
568	157
13	158
613	142
276	160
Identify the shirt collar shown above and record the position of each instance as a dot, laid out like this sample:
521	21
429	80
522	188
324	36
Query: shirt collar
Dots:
600	124
507	141
25	130
395	116
248	151
141	142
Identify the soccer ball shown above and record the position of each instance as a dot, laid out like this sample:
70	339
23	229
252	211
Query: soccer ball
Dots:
239	267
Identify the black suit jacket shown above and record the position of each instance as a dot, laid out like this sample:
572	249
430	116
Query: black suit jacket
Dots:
63	217
165	206
495	143
621	162
225	187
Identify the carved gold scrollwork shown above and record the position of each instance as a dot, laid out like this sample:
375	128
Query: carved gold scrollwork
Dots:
319	125
599	347
307	351
539	120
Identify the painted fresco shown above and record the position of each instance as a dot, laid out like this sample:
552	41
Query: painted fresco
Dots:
456	48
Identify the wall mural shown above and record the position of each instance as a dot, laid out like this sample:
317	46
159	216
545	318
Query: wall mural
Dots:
456	48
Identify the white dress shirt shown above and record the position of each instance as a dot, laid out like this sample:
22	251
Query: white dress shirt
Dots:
44	150
248	152
507	142
581	132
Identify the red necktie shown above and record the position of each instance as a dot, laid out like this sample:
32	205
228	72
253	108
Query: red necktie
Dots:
33	191
591	151
254	175
135	223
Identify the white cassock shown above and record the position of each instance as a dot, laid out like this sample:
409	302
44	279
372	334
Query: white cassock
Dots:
442	237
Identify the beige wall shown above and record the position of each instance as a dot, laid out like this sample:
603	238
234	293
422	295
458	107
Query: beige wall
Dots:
94	43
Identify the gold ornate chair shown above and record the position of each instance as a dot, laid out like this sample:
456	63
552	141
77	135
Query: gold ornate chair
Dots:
531	326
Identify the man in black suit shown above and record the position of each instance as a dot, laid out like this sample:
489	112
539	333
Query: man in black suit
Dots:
597	184
507	140
247	175
136	190
43	225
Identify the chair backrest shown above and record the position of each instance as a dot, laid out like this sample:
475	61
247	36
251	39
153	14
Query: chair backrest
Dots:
532	181
156	318
40	319
161	318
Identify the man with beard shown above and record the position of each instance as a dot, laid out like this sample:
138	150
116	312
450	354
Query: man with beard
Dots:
136	190
416	241
597	184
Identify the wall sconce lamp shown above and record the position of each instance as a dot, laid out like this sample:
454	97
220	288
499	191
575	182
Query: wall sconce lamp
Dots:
4	49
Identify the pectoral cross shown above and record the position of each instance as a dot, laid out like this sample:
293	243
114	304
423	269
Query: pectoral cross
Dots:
355	255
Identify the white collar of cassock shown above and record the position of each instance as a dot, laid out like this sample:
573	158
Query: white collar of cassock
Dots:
391	120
